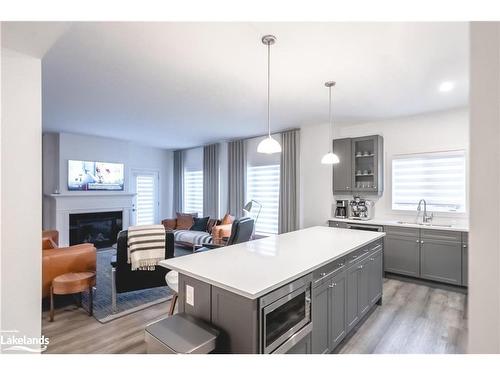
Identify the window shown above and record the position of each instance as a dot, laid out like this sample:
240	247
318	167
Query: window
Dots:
439	178
146	198
193	192
263	186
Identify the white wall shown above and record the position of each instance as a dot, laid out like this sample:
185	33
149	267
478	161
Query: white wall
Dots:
84	147
21	194
484	240
438	131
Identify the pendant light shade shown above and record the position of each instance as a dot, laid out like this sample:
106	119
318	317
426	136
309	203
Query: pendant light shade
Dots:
330	157
269	145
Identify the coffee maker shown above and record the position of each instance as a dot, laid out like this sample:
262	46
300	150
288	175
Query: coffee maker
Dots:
341	209
361	209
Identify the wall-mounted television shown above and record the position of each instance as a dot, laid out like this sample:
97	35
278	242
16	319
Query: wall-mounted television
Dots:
94	175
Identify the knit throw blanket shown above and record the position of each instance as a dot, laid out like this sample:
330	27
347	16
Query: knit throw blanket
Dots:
146	246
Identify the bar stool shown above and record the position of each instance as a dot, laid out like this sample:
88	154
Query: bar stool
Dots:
172	279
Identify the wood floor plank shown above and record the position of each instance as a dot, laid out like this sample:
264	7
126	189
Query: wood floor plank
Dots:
413	318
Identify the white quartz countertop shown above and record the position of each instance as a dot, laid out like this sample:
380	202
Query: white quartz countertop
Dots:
442	224
254	268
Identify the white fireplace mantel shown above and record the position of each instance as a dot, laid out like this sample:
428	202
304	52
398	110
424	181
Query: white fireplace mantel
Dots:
62	205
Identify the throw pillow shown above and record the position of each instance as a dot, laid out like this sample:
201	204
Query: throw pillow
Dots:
200	224
227	219
184	221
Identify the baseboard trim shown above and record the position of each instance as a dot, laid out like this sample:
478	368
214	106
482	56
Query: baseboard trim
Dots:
429	283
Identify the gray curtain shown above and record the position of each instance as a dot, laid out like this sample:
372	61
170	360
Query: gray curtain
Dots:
178	180
237	165
289	182
211	181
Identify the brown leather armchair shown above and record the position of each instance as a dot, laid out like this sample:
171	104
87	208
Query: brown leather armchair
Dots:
59	260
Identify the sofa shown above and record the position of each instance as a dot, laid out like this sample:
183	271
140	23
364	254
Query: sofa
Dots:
181	226
60	260
123	279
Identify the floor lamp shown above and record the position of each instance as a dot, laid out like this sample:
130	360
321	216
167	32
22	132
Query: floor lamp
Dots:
248	208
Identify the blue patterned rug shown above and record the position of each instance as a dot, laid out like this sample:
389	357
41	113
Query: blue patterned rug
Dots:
126	303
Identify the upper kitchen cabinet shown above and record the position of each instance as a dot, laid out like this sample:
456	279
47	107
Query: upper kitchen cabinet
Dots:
342	171
361	165
367	164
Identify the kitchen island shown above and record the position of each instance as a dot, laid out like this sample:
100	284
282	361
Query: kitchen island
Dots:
301	291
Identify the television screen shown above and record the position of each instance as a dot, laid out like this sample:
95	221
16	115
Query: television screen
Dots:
94	175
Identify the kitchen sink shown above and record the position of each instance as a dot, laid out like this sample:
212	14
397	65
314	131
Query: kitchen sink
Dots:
426	224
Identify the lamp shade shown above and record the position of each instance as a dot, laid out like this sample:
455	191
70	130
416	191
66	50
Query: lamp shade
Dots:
330	158
269	145
248	206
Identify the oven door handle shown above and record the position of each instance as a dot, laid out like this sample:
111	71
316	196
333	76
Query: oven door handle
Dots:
294	339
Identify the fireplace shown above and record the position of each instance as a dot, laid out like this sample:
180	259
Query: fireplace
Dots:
99	228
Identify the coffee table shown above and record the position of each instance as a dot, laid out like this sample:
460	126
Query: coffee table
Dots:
72	283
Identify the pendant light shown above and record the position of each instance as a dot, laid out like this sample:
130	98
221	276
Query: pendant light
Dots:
269	145
330	158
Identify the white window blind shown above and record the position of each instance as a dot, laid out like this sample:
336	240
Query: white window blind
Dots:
439	178
146	201
193	192
263	186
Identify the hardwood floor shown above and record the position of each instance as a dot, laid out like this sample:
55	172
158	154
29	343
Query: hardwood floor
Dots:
412	319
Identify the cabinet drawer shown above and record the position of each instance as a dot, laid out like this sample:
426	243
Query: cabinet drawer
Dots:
362	252
326	272
401	231
337	224
441	235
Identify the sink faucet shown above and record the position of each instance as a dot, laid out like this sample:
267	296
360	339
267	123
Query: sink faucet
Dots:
425	218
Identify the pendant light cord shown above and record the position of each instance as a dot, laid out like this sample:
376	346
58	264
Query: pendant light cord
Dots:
330	125
269	89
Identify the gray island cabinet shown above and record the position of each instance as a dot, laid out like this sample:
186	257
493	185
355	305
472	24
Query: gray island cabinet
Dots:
299	292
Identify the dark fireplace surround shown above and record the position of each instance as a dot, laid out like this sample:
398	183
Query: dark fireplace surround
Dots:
99	228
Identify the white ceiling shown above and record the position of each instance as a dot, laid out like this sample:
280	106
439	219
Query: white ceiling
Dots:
177	85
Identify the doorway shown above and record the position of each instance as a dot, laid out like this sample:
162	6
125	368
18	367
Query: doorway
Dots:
146	202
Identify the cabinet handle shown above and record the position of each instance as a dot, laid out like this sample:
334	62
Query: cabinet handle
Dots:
332	285
322	274
347	187
340	264
417	241
360	267
422	242
464	246
372	259
374	187
355	256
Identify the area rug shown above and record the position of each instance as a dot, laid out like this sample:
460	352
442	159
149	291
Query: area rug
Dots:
126	303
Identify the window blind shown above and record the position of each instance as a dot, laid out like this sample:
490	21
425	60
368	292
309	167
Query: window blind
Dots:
439	178
145	200
263	186
193	192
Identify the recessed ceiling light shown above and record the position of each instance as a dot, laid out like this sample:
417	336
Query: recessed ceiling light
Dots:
446	86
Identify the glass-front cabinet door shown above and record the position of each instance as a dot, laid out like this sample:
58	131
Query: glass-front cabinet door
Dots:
367	164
